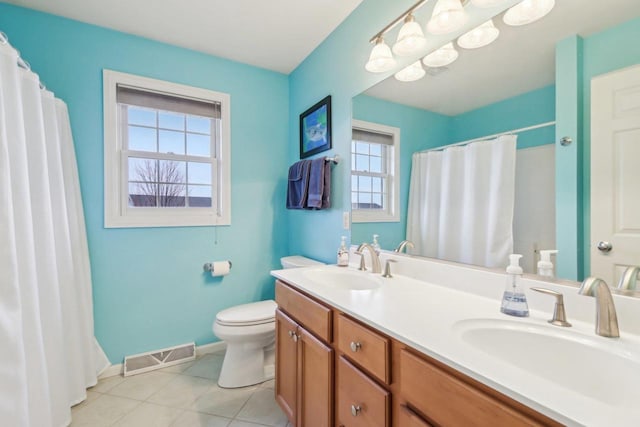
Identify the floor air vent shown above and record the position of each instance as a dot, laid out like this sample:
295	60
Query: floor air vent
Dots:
145	362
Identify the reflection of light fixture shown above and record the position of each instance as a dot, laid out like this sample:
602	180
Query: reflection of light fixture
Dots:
441	57
486	3
381	59
411	73
448	16
479	36
410	38
528	11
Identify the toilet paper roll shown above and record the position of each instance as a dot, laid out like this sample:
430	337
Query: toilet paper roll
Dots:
220	268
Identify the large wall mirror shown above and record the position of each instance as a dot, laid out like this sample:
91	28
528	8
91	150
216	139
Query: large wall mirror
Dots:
509	86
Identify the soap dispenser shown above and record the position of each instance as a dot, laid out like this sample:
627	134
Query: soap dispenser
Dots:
375	245
545	266
514	301
343	253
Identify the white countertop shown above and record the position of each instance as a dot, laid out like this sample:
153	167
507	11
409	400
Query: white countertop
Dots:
427	316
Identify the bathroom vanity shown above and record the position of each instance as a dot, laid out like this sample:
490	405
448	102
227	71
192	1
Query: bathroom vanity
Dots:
355	349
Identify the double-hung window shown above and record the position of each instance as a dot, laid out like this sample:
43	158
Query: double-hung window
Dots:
375	177
167	153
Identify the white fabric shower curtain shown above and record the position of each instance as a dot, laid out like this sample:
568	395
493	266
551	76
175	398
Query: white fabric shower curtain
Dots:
461	202
48	353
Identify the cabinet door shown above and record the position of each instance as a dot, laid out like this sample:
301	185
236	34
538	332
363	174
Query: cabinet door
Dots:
360	402
316	381
286	364
408	418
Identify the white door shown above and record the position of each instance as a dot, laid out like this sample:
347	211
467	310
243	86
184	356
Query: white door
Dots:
615	173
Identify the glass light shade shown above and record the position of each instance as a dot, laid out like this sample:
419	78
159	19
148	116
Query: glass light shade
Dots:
448	16
486	3
381	59
410	38
528	11
441	57
479	36
411	73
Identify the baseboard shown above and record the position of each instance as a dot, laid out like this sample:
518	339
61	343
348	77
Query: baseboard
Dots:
213	347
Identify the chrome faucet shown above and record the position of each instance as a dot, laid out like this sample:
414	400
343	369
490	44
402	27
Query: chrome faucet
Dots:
629	279
606	318
375	260
403	245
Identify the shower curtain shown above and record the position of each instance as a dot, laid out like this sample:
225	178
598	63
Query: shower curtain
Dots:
48	353
461	202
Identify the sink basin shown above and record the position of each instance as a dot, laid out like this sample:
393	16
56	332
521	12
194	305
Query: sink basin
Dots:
344	279
600	368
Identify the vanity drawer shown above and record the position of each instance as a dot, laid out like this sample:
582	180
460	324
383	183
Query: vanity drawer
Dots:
449	401
365	347
314	316
360	402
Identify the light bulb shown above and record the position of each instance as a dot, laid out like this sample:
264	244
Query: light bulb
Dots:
411	73
528	11
441	57
448	16
410	38
486	3
479	36
381	59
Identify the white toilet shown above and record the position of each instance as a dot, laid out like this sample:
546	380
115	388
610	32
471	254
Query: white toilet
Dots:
249	330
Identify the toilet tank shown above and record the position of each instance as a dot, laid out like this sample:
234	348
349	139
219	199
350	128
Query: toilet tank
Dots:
297	261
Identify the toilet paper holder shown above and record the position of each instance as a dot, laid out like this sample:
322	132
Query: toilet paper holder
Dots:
208	266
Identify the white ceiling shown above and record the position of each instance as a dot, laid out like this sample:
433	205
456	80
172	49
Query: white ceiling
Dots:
273	34
521	60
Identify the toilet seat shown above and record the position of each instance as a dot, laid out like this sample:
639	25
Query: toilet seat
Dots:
256	313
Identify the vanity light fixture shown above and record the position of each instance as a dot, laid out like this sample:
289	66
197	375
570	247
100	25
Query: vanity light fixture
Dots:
448	16
411	73
410	38
441	57
381	59
479	36
528	11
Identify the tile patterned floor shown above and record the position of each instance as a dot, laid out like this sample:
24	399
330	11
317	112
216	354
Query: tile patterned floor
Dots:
184	395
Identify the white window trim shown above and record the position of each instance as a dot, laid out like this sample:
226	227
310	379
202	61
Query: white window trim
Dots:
393	213
116	212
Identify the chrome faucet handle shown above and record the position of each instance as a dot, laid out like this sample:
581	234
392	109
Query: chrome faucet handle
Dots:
559	315
362	266
629	279
387	268
403	245
606	318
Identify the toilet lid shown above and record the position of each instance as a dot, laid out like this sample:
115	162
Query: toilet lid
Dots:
254	313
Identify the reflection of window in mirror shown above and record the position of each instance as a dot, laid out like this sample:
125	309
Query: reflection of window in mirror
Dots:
375	154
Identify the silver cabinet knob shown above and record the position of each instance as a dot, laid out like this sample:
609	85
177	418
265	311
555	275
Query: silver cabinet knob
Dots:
355	346
355	410
604	246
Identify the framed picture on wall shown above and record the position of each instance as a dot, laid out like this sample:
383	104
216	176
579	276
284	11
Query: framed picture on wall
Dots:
315	128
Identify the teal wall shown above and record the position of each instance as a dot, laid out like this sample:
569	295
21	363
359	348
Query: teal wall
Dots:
421	129
149	290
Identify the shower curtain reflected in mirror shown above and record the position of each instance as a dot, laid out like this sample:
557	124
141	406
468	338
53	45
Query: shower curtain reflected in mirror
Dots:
461	202
48	354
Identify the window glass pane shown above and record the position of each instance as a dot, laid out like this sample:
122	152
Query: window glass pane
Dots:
172	172
362	162
353	162
200	196
143	170
170	195
199	124
364	183
198	145
168	120
362	147
141	116
376	150
375	164
354	199
142	139
142	194
199	173
353	146
354	182
376	184
364	199
376	201
171	142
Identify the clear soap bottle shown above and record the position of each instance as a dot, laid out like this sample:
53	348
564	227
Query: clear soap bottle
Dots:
375	245
514	301
343	253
